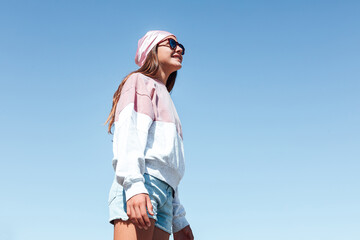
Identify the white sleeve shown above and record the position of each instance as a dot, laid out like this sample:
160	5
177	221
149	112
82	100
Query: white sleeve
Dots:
179	220
130	137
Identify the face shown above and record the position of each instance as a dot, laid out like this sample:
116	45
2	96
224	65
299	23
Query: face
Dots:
169	59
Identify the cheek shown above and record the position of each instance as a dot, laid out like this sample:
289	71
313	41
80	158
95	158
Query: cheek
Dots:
164	56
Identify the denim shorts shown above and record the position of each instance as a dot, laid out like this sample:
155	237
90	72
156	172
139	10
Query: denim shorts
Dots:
161	196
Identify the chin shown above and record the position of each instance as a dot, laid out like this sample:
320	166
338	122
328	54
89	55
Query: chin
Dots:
178	66
173	66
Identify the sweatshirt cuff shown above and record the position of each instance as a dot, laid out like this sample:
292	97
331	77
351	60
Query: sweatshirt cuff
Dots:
179	223
135	188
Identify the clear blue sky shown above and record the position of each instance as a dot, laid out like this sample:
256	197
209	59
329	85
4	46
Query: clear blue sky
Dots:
268	97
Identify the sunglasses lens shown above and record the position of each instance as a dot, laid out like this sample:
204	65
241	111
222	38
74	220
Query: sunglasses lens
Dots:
183	49
172	43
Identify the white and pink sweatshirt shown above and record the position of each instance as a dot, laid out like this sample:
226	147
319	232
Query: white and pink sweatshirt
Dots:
148	139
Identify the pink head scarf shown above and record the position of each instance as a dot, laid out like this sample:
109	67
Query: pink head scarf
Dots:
147	42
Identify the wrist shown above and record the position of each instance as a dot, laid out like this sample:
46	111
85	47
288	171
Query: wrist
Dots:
134	189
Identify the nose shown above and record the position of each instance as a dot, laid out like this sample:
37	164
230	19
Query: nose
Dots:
178	49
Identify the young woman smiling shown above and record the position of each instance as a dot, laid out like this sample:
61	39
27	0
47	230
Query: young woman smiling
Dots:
148	146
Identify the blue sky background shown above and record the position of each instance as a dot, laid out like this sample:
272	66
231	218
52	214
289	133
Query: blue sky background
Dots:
268	97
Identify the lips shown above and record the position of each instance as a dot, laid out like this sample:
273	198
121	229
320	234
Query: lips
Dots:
176	56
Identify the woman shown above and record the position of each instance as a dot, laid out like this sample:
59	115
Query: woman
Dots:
148	146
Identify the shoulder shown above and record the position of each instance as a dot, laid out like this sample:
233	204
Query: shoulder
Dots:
140	83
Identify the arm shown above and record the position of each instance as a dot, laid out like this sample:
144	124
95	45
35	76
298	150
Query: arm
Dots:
131	166
134	116
130	137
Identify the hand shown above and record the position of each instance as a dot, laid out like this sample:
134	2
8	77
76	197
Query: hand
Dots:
184	234
136	210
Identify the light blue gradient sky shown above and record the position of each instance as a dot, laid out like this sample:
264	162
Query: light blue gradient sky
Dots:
268	97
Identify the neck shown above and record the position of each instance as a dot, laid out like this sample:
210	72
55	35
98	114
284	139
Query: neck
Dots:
162	75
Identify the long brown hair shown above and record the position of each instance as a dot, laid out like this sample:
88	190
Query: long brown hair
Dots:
149	68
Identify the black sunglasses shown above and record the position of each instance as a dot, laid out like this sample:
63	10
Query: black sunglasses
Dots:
173	45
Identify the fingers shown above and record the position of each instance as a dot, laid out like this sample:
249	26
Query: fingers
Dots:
128	210
149	205
132	214
139	218
136	210
144	216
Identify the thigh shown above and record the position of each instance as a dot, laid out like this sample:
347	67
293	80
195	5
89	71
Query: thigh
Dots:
126	230
160	234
